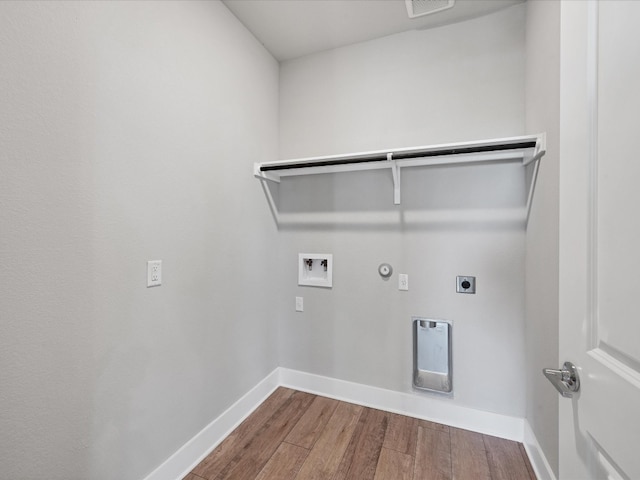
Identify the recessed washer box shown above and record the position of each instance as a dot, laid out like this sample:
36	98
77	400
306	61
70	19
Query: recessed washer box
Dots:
315	269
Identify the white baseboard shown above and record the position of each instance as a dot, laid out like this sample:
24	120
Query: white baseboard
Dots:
538	460
414	405
196	449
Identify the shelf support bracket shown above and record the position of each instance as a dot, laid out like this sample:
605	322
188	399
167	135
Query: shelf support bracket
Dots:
395	172
262	175
540	150
532	187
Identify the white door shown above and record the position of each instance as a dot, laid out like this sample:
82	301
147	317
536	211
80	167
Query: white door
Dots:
600	237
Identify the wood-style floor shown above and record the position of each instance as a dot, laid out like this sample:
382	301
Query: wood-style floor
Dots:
296	435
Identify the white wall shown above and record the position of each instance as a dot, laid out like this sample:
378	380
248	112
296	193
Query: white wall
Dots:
416	88
541	332
128	130
454	83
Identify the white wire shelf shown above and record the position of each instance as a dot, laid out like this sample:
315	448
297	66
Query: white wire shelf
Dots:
524	150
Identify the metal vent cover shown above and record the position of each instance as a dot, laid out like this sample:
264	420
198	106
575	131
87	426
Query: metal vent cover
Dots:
418	8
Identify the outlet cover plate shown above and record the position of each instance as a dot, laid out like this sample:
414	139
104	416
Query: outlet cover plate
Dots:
465	284
154	273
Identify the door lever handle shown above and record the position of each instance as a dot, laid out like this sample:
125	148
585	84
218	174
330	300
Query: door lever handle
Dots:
566	381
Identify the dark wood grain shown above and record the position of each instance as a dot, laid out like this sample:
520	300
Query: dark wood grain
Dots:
527	463
256	451
285	463
505	459
433	425
220	457
393	465
192	476
324	459
402	433
468	456
360	459
308	429
433	455
296	435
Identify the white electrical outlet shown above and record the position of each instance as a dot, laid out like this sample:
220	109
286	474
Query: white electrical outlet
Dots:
299	304
154	273
403	281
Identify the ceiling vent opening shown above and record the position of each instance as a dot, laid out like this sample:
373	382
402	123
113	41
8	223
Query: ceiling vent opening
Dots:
418	8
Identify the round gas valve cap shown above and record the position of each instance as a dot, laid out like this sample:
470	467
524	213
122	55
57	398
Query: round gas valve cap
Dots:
385	270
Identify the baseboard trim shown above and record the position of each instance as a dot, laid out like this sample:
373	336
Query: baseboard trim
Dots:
196	449
414	405
537	457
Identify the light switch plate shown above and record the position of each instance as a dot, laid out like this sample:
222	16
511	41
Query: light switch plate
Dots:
299	304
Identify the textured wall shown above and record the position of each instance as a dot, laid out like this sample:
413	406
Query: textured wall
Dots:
454	83
128	130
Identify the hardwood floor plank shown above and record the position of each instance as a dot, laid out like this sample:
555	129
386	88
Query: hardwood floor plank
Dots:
527	462
393	465
233	444
505	459
191	476
348	441
347	458
468	456
433	425
285	463
402	434
310	426
433	455
324	458
257	450
360	459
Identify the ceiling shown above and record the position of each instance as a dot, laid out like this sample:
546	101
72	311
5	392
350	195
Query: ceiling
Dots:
294	28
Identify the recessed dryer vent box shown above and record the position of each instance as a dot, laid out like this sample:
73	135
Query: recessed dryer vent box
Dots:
315	269
432	355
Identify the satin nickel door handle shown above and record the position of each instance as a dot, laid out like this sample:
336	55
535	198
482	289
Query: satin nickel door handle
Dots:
566	381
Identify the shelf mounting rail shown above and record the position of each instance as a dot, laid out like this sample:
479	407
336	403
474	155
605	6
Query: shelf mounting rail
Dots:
524	150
